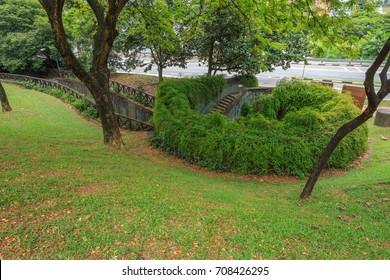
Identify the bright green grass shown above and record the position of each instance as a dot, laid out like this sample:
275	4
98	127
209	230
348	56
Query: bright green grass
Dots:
55	172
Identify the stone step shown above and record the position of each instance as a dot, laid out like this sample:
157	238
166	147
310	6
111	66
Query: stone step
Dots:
230	97
224	103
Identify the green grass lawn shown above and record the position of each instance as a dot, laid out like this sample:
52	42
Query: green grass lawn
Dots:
64	195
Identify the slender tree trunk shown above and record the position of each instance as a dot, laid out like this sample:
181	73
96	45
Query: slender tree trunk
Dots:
374	99
334	142
210	61
160	73
5	107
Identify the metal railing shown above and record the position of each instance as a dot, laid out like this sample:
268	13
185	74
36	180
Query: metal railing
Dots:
124	121
140	96
47	83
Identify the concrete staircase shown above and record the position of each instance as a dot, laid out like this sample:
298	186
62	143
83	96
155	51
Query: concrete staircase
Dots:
226	103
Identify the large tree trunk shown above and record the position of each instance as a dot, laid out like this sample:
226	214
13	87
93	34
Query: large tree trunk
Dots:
5	107
102	96
97	79
374	100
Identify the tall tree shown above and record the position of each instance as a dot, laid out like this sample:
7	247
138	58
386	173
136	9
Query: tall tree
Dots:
5	107
249	37
374	99
153	26
224	42
161	37
96	79
26	43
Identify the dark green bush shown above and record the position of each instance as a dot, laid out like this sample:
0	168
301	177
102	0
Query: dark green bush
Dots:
247	80
246	109
284	132
198	91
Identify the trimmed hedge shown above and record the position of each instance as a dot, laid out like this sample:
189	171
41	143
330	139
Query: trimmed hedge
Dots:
284	132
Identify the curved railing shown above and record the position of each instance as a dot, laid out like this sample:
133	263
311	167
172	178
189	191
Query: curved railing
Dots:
142	97
47	83
125	119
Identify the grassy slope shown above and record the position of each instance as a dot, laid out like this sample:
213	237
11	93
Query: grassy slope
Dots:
64	195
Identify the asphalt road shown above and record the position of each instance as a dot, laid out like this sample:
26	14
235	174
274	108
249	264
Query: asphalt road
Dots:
337	73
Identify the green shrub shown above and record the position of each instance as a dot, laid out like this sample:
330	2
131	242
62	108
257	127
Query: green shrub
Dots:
267	105
246	109
198	91
247	80
29	84
284	132
116	87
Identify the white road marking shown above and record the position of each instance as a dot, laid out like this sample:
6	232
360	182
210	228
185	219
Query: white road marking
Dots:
358	69
345	68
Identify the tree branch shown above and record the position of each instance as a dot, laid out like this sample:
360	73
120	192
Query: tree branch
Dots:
106	32
370	74
54	9
359	120
98	11
385	88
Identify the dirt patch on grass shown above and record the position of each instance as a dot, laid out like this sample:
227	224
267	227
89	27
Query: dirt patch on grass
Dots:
56	173
92	189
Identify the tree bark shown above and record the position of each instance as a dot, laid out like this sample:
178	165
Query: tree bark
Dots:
210	60
101	93
160	73
5	107
97	78
374	100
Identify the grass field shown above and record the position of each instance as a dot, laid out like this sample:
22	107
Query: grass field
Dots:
64	195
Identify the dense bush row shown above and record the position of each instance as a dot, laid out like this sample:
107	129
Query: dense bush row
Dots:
86	108
284	132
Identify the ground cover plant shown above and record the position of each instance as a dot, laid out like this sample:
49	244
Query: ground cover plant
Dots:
85	107
65	195
283	133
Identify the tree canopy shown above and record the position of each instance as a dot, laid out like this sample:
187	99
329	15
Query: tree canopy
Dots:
363	34
26	39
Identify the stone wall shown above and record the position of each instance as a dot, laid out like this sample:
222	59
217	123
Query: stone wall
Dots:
136	114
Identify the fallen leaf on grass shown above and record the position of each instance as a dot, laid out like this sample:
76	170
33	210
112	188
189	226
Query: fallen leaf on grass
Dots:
369	204
343	219
87	217
342	208
384	138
